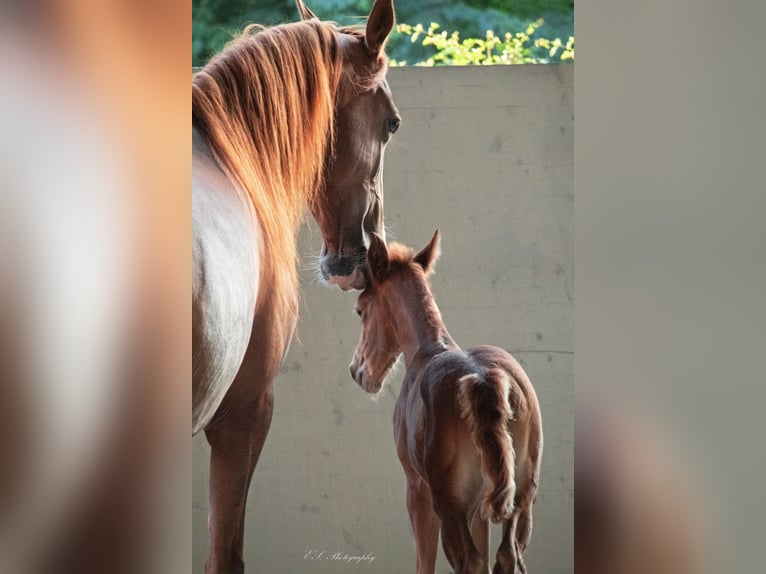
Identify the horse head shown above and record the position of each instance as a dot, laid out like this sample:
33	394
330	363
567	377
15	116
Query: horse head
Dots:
349	206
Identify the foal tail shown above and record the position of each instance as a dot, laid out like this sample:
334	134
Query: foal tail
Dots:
484	406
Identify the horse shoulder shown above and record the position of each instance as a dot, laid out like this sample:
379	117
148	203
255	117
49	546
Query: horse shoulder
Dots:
225	271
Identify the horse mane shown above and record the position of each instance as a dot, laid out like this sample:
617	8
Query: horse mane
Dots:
400	258
266	106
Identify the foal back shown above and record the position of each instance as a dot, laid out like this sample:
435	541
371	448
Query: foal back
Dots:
481	447
462	394
525	426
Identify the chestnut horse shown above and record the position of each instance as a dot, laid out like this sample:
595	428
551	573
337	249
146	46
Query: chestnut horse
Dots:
466	423
288	116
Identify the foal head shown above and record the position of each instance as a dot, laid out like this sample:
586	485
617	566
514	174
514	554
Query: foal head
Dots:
397	279
350	205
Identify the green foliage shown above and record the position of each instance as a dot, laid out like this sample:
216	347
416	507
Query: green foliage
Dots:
214	22
553	46
525	8
518	48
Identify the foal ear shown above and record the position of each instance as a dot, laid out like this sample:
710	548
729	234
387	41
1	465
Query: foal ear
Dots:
380	22
305	13
377	257
429	254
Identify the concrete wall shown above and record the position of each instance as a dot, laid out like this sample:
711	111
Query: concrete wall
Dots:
486	155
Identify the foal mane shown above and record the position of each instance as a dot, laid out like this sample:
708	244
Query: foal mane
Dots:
399	255
266	107
401	258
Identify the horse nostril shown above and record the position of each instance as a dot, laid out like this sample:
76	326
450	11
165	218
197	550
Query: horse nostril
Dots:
357	371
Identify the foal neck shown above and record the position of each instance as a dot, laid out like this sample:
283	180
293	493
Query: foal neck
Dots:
418	322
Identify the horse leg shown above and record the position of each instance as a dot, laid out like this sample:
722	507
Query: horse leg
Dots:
480	535
457	541
507	555
522	533
425	524
517	531
236	436
236	441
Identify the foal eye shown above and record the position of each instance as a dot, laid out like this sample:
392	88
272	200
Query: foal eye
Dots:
393	125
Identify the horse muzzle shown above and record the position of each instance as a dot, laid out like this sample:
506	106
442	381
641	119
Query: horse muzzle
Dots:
359	374
342	270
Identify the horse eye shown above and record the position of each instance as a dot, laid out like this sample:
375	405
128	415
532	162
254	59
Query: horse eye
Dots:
393	125
358	311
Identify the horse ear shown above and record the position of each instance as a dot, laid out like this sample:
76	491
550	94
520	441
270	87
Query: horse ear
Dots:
305	13
377	257
429	254
380	22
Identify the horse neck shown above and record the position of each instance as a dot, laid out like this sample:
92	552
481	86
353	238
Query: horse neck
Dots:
271	134
418	323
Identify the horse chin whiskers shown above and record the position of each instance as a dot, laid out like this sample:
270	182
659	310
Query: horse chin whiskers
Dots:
388	232
320	279
387	377
360	259
372	389
314	266
375	394
393	370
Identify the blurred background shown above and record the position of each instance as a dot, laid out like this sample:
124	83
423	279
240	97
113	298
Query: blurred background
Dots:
94	298
94	235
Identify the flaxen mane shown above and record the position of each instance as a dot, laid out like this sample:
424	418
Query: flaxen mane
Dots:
266	108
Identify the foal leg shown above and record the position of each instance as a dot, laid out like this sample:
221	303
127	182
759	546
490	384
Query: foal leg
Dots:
522	533
507	554
480	535
517	531
458	543
236	440
425	524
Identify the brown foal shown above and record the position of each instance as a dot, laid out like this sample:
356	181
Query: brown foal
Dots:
466	424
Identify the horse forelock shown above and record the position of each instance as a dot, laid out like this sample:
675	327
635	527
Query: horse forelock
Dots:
374	73
399	255
266	105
